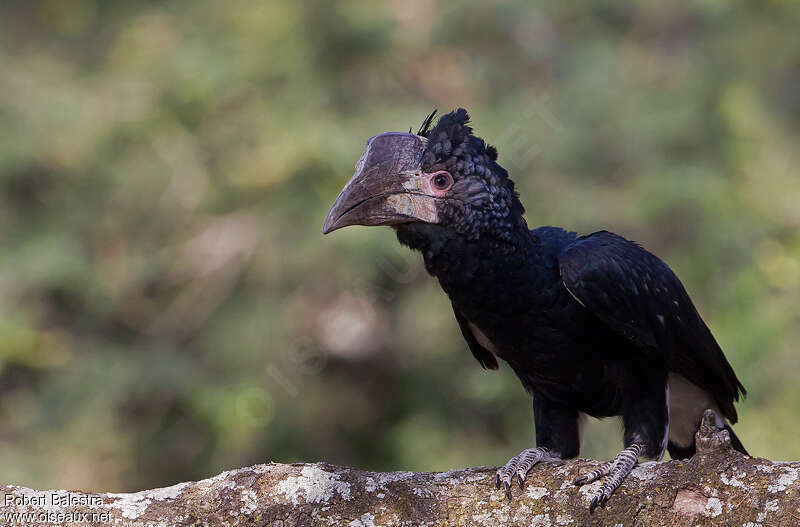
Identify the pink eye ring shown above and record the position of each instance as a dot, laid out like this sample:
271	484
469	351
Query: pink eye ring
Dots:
441	180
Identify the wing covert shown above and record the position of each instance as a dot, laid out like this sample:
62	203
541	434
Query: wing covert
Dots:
638	296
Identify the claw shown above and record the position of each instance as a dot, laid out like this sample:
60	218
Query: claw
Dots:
615	471
600	499
518	467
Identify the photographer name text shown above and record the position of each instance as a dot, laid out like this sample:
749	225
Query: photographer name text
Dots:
52	499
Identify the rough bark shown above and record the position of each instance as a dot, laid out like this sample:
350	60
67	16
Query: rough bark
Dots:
718	486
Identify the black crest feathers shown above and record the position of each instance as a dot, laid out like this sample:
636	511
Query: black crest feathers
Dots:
453	126
448	136
425	127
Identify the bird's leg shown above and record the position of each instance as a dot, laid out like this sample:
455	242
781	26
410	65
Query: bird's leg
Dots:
646	420
519	466
614	472
557	438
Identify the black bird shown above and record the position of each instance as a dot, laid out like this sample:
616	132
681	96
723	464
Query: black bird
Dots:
592	325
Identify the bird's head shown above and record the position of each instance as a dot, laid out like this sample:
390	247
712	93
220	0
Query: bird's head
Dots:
442	175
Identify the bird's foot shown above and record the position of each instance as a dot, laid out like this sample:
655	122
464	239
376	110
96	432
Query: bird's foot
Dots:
614	471
519	466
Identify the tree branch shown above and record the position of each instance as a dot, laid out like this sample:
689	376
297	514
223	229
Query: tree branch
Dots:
718	486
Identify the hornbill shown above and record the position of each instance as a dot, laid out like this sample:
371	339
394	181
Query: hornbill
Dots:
592	325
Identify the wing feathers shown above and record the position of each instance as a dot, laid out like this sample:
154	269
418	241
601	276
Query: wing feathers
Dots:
638	296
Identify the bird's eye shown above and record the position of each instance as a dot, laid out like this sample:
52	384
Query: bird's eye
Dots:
442	180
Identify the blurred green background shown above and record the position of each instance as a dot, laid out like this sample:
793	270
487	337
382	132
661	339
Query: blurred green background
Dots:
169	307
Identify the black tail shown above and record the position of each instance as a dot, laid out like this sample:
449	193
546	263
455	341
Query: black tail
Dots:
685	452
735	443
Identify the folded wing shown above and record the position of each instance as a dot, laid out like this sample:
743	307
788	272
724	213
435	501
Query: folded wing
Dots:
638	296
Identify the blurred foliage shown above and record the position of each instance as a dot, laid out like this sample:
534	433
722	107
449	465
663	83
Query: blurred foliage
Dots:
169	308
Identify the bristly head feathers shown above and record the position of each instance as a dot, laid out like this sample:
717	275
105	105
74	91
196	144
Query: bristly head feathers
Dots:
482	198
425	127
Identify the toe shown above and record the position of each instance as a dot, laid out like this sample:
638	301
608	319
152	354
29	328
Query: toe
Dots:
504	477
603	497
522	475
599	500
594	475
517	468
